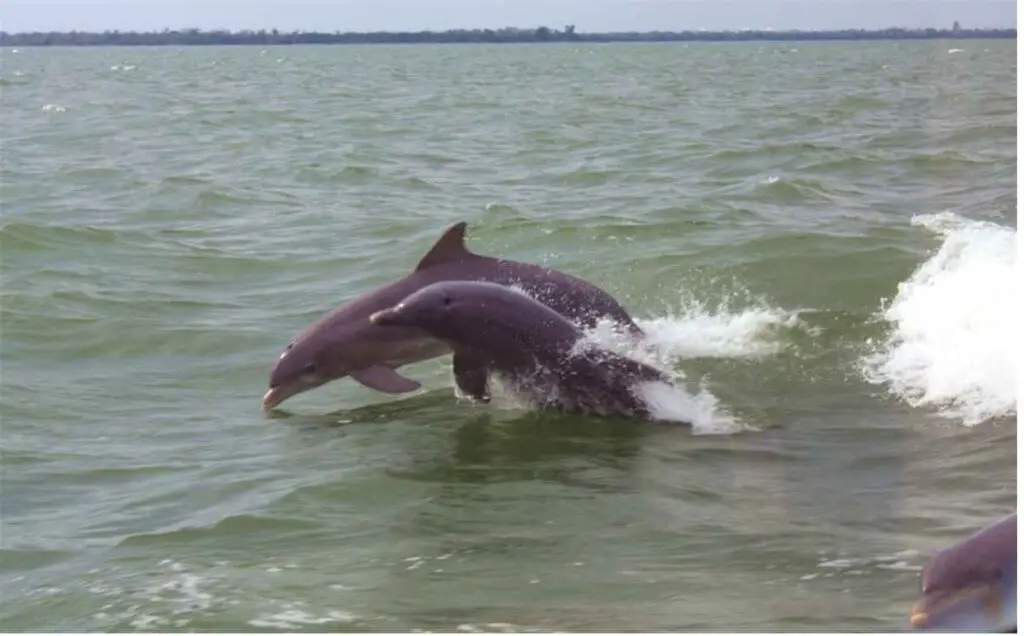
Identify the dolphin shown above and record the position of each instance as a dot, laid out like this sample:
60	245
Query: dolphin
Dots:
496	329
344	342
972	585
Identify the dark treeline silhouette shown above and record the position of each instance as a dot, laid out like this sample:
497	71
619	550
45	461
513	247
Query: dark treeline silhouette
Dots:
189	37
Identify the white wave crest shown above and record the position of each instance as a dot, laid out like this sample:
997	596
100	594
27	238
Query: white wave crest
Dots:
952	344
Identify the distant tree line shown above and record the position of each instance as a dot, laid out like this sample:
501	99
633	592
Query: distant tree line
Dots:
191	37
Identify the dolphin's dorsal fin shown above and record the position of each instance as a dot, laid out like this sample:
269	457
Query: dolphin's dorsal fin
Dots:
450	247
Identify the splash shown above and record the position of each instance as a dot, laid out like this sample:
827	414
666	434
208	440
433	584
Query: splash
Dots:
701	410
954	320
702	331
698	331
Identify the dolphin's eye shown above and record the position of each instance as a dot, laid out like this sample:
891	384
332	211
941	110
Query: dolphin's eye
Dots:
447	300
309	368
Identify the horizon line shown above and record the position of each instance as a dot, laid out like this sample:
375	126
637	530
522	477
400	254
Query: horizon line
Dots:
568	29
194	36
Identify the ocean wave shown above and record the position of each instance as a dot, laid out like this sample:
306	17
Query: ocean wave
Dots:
953	327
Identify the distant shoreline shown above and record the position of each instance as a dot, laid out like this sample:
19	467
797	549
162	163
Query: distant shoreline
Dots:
197	37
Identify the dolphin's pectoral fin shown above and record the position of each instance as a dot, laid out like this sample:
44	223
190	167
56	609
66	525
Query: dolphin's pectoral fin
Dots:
384	379
471	375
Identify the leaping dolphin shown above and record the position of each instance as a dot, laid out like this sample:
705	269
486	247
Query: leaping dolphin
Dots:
344	342
495	329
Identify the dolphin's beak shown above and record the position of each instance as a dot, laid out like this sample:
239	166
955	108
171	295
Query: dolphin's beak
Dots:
277	394
387	317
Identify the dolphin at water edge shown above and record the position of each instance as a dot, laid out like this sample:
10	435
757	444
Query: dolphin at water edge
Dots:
496	329
345	343
971	586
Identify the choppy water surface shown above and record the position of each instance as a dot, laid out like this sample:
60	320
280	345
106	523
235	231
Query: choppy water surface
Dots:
820	237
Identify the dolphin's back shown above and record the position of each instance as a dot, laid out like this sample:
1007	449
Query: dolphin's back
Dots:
583	303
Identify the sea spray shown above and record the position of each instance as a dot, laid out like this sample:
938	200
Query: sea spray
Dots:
953	325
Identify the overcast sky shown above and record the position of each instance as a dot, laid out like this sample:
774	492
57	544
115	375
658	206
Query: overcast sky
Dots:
414	15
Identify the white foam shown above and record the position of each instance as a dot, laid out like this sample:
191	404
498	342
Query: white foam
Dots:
145	622
864	566
502	628
954	320
182	590
53	108
156	605
719	333
702	330
292	617
702	411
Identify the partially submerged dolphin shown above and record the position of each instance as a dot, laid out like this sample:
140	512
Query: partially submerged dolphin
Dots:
345	343
493	328
971	586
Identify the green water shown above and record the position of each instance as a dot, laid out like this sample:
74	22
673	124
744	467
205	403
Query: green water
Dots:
172	217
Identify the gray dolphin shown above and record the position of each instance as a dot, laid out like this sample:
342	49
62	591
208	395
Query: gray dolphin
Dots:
493	328
971	586
345	343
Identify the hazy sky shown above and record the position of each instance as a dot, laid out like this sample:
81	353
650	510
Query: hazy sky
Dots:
413	15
